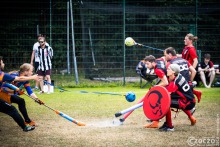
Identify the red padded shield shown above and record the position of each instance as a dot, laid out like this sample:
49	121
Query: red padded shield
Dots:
156	103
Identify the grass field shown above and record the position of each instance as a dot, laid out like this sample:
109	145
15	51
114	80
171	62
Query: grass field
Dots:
97	111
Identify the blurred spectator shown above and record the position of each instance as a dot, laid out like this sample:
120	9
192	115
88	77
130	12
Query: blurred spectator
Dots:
35	58
217	72
207	71
142	69
45	54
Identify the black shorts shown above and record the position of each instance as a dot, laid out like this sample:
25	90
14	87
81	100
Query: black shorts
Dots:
44	73
207	76
176	100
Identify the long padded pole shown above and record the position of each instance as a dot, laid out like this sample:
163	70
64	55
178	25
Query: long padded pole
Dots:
128	109
138	102
67	117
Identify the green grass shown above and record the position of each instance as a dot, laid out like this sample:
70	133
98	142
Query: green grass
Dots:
97	111
69	81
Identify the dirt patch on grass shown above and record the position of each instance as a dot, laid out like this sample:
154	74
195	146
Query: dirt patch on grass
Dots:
97	111
56	131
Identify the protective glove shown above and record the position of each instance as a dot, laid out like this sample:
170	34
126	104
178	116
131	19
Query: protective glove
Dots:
39	101
20	92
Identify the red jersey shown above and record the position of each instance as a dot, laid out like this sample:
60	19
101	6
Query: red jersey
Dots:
189	53
181	87
160	68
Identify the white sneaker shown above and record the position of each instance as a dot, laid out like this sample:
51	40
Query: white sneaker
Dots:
35	88
41	92
48	92
194	83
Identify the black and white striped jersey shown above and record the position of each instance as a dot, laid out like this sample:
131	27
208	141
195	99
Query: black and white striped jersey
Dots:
45	55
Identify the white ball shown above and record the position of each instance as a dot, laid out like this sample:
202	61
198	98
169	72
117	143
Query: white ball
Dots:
129	41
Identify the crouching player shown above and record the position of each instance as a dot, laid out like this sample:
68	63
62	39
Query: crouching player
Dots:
160	70
25	70
6	107
181	96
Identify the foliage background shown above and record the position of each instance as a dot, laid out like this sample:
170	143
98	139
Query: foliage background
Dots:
159	24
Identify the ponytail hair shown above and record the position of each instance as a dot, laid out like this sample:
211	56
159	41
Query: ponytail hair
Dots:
192	37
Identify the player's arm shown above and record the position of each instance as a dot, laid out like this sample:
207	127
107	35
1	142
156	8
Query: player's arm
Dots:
217	72
194	56
162	76
24	78
193	72
163	81
29	91
179	55
195	62
200	68
7	90
51	52
172	87
211	65
32	57
211	69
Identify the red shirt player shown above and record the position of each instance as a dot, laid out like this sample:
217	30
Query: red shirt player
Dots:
185	68
179	85
189	51
159	67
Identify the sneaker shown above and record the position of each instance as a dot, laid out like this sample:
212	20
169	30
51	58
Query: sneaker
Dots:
154	124
194	83
32	123
28	128
41	92
193	120
193	110
167	129
48	92
149	120
121	119
163	126
35	88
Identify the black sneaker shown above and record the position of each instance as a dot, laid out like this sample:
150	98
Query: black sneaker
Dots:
149	120
28	128
167	129
121	119
163	126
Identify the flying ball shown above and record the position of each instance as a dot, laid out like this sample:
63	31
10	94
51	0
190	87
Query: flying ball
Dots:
130	96
129	41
